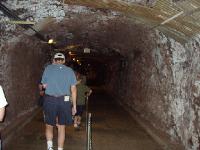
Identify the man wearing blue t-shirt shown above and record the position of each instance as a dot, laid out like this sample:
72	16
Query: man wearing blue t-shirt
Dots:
59	82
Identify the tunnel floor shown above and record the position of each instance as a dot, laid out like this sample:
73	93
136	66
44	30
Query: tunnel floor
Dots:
112	129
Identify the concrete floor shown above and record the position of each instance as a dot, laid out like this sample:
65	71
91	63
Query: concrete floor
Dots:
112	129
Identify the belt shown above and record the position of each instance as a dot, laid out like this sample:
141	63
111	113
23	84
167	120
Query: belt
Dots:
55	95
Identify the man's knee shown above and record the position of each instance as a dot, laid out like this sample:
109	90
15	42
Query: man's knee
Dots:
61	126
49	127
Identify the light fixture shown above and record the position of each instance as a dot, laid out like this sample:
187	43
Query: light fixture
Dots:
21	22
172	18
86	50
51	41
71	46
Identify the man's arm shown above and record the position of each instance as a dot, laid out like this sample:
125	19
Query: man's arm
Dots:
41	89
88	91
44	78
74	95
2	113
3	103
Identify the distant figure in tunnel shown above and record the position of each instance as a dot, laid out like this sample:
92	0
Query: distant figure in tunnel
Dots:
3	104
82	92
59	82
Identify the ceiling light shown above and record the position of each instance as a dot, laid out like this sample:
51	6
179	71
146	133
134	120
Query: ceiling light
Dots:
86	50
70	46
50	41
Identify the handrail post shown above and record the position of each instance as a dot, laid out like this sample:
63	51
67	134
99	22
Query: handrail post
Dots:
86	104
88	127
89	133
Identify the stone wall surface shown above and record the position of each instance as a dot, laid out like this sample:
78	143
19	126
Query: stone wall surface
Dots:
162	85
22	57
36	10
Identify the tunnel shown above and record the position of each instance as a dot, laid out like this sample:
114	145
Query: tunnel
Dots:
143	55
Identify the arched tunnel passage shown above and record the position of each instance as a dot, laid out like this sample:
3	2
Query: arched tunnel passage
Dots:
153	73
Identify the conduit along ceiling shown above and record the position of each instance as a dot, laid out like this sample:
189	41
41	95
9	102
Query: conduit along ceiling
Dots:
179	19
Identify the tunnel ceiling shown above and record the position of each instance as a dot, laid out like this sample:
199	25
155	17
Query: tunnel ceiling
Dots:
183	15
114	28
107	40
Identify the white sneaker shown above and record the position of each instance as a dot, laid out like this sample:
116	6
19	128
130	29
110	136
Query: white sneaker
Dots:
51	148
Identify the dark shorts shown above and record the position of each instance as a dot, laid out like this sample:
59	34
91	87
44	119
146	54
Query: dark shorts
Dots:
40	101
56	108
80	109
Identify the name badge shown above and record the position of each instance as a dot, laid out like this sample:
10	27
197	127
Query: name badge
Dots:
66	98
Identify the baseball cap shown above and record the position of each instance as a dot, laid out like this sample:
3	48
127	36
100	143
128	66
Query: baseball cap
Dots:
59	55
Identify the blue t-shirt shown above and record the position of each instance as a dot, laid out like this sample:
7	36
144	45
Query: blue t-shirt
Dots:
59	79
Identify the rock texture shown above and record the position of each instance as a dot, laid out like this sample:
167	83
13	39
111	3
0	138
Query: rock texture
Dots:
22	57
21	66
161	83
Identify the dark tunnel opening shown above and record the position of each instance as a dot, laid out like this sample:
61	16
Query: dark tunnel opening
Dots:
95	72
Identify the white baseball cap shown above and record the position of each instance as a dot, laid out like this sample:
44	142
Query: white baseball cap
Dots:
59	55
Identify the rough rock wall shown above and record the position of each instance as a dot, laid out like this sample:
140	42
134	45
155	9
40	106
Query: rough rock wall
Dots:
162	85
22	57
177	79
36	10
21	66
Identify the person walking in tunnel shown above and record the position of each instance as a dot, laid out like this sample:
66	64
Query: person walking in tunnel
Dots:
3	104
82	92
59	82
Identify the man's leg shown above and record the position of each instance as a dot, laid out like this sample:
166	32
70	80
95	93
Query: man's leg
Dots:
61	136
78	120
0	144
75	121
49	136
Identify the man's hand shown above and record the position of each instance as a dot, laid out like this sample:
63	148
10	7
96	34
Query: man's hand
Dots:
44	86
41	93
73	110
74	94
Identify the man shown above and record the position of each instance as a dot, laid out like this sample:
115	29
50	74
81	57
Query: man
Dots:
59	82
83	91
3	103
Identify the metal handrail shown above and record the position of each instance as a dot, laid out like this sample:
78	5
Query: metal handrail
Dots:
88	127
89	133
86	109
